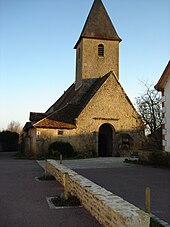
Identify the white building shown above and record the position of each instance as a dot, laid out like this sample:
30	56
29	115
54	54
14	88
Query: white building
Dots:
163	85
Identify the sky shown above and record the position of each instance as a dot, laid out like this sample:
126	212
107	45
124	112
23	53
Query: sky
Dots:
37	59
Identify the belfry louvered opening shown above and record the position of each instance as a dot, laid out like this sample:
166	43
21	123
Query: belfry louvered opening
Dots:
101	50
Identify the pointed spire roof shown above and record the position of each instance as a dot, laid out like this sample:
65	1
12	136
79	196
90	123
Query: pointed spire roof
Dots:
98	24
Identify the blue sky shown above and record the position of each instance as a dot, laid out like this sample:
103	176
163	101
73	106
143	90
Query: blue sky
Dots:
37	59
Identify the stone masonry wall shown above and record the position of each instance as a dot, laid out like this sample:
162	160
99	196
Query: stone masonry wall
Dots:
109	209
94	66
90	65
109	105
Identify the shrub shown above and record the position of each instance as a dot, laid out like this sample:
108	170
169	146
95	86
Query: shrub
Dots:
46	177
64	148
155	223
156	159
61	201
160	159
86	154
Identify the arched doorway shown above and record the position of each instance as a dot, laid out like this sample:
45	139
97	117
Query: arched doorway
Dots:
105	146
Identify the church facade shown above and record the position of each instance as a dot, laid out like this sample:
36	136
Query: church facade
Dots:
94	115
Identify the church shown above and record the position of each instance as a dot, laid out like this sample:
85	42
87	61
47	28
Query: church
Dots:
94	114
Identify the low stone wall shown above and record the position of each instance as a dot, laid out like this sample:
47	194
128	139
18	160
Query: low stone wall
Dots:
107	208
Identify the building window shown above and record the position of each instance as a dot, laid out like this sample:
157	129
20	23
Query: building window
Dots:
101	50
38	132
60	132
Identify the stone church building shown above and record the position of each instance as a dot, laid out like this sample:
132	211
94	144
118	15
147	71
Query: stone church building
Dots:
94	114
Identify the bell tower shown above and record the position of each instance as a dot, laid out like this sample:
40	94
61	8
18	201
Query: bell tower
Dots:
97	49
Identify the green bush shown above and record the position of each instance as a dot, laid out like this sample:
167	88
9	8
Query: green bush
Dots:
160	159
155	223
63	148
86	154
9	140
61	201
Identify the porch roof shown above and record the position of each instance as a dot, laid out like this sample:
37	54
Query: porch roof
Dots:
52	124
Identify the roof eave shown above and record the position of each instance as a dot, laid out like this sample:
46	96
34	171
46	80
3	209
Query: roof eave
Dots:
63	125
53	127
99	38
159	88
162	81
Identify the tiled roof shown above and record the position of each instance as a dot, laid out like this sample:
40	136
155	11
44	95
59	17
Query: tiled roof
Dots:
73	98
98	24
68	107
162	81
47	123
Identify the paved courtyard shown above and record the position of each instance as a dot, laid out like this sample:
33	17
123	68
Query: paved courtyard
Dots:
128	181
23	199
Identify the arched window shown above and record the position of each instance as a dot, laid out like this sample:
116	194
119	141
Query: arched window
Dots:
101	50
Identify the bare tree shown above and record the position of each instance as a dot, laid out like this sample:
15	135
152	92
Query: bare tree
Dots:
149	107
14	126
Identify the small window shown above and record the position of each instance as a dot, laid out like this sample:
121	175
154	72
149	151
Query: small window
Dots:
60	132
38	132
101	50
